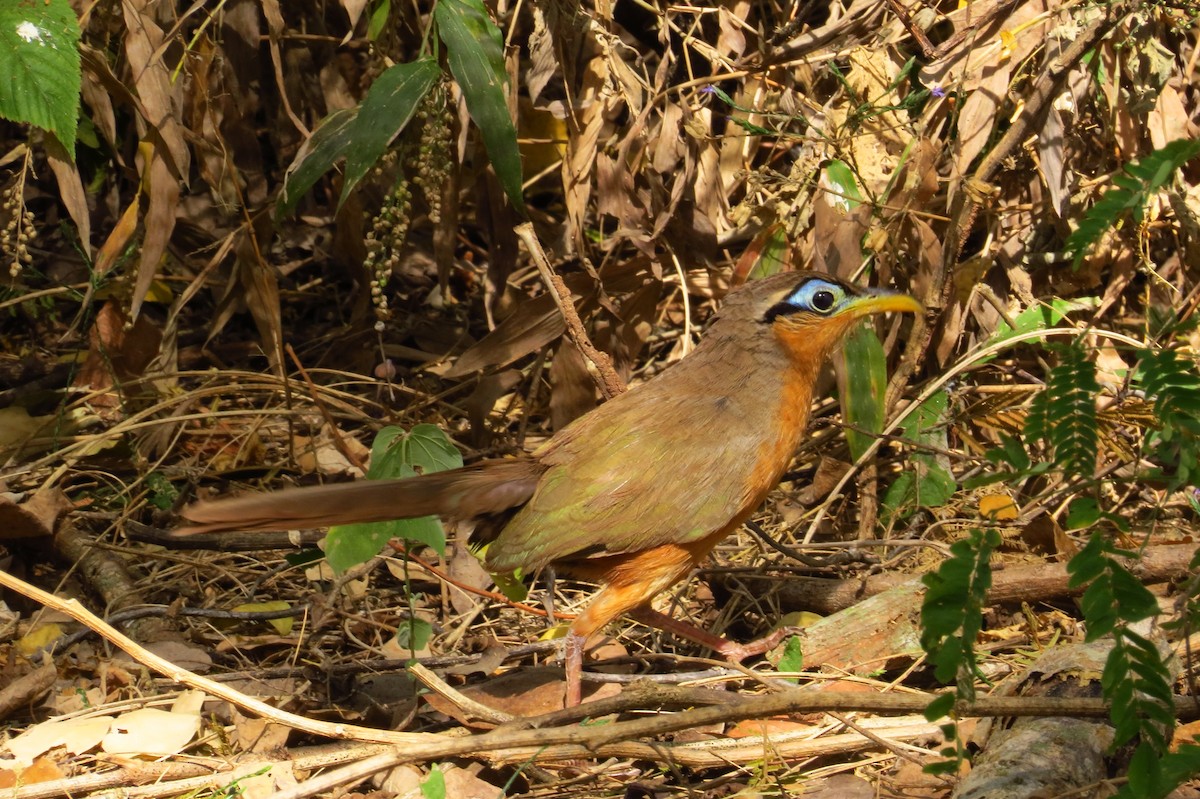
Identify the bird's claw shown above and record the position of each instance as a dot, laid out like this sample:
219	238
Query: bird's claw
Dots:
736	653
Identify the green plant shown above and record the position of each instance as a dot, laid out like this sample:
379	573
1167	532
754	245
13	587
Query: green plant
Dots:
361	135
1061	438
1130	193
397	454
39	57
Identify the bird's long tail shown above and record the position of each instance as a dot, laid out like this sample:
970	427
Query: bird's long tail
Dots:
486	488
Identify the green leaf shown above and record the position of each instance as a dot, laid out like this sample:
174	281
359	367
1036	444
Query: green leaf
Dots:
163	493
940	707
952	611
1083	513
1041	316
773	257
928	484
1063	413
304	557
413	633
328	144
865	368
390	103
792	658
379	17
511	586
39	59
434	786
425	449
841	177
475	52
396	455
1130	194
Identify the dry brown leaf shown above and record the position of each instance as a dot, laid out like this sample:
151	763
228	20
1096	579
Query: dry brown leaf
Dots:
117	353
585	127
354	10
36	517
534	324
163	155
1169	119
258	735
76	735
1051	165
462	784
573	393
70	190
119	237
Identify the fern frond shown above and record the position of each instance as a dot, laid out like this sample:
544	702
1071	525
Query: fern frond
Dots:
1130	193
952	612
1063	414
1172	384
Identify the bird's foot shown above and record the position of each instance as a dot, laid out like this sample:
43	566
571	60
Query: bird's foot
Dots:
736	653
730	650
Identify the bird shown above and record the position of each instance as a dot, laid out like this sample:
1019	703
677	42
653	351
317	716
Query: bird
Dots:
634	494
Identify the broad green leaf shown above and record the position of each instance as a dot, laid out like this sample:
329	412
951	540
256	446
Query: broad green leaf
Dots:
928	483
424	450
39	59
842	179
396	455
773	257
1083	513
1041	316
379	17
328	144
282	625
792	658
475	52
511	586
390	103
865	370
434	786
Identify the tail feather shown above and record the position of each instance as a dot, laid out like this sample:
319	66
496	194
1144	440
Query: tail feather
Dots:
487	488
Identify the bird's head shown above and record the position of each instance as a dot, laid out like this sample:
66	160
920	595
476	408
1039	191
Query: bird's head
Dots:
810	313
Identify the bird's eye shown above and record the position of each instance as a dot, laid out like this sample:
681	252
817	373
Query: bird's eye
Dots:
823	300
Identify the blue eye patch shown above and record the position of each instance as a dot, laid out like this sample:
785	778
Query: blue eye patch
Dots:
815	296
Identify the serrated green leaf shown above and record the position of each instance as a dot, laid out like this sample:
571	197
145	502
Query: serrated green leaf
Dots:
475	53
396	455
39	59
390	103
1130	193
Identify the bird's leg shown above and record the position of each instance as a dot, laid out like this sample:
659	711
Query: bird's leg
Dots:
548	600
730	650
573	665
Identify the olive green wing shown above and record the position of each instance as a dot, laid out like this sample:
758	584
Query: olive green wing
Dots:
629	482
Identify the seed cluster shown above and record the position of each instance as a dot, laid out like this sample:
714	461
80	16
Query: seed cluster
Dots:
18	231
424	151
